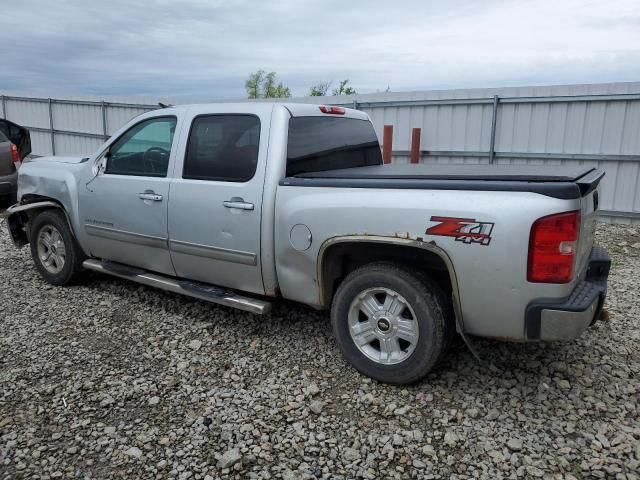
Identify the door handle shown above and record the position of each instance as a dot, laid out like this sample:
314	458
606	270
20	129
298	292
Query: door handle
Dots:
150	195
238	203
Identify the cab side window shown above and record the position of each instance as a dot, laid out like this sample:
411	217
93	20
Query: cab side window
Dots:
223	148
144	149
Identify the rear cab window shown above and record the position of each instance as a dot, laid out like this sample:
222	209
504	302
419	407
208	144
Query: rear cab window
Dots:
321	143
222	147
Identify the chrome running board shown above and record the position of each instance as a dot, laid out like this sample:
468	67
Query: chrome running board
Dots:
190	288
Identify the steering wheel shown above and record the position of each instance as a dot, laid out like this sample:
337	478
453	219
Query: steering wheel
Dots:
149	162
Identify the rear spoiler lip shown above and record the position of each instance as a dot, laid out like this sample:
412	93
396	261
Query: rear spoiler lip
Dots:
590	181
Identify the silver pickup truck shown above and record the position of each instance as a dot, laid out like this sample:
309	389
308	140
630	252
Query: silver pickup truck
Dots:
240	204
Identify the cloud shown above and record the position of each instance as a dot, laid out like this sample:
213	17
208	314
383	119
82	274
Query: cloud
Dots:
208	47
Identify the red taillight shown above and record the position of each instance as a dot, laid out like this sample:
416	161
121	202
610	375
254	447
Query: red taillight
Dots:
552	248
15	155
332	110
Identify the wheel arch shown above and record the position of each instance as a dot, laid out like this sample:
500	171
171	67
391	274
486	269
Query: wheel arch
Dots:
19	215
340	255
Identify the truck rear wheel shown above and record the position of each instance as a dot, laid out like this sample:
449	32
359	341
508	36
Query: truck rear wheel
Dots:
55	252
391	323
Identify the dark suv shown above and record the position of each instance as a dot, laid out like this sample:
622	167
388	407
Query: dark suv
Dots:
15	145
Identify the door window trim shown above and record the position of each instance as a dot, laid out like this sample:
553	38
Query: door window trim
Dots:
220	179
115	140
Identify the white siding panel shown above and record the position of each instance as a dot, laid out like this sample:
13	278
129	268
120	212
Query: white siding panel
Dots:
28	113
77	118
41	143
117	117
76	146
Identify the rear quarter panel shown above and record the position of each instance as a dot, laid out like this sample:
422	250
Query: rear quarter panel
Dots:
492	279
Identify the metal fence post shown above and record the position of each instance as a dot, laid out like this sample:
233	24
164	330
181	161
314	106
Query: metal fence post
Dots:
355	105
492	141
4	107
104	120
53	139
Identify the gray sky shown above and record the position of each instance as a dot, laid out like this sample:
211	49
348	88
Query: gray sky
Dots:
208	47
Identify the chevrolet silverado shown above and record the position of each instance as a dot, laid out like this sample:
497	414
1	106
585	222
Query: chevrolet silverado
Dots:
241	204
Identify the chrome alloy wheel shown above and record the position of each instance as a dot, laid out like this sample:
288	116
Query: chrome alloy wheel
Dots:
383	325
51	249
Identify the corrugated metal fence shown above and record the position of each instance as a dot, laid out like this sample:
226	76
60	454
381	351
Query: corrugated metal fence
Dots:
69	127
595	125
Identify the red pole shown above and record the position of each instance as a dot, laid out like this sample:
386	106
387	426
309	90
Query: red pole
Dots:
415	145
387	143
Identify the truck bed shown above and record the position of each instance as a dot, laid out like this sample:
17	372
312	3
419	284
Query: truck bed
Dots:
561	182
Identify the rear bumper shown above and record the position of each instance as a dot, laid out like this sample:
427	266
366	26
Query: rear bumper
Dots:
8	184
568	318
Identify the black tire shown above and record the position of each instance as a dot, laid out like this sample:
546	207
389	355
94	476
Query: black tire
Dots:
74	256
7	200
425	298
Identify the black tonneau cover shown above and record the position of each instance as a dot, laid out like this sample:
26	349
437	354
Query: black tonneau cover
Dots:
423	171
555	181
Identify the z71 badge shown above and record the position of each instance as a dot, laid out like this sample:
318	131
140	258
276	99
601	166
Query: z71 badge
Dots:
466	230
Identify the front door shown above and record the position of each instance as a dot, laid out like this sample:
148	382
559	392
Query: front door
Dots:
216	195
123	208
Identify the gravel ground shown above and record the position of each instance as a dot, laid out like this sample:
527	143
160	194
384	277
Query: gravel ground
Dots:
113	380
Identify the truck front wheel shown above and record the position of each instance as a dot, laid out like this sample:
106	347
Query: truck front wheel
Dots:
391	323
55	252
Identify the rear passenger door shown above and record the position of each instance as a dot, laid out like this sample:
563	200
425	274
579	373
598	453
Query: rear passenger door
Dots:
216	197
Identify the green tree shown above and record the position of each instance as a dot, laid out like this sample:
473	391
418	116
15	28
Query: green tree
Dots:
269	87
265	85
252	85
343	89
320	89
282	91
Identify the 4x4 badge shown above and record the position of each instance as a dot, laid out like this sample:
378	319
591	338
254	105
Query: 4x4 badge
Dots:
466	230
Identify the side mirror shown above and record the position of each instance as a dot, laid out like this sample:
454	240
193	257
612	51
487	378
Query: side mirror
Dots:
100	165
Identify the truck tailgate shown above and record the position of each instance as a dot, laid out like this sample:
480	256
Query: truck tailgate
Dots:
588	215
